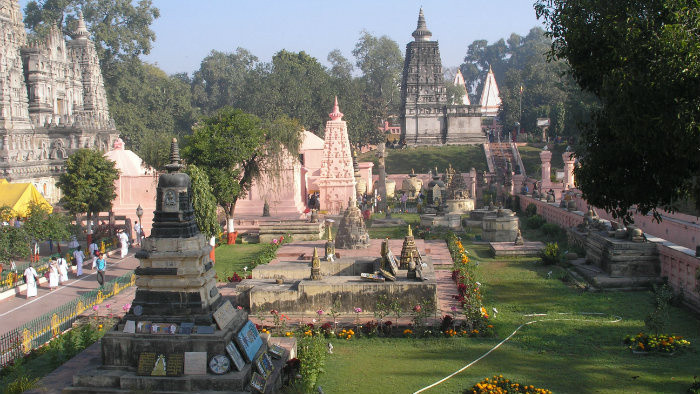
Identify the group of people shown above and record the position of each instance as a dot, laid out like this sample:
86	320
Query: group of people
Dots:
58	271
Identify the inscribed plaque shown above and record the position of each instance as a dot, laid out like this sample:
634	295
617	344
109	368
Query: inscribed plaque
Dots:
130	327
393	263
224	314
277	351
146	363
204	330
186	328
249	340
258	382
176	364
195	363
235	355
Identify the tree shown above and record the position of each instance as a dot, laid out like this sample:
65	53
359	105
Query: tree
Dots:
120	29
203	201
149	108
14	241
641	59
41	225
88	183
233	148
381	62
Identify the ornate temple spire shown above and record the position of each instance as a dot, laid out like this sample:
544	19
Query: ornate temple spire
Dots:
490	97
336	114
410	232
459	81
422	33
81	33
174	165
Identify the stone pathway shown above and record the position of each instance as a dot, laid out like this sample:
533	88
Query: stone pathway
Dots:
17	310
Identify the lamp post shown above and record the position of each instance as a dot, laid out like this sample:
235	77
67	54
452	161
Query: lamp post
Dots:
139	213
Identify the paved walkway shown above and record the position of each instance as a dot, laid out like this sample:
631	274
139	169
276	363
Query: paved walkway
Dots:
17	310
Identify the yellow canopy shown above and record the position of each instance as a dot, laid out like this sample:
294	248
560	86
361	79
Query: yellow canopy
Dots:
18	195
3	181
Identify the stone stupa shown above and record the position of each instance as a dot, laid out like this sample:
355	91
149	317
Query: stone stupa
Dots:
409	251
352	233
180	334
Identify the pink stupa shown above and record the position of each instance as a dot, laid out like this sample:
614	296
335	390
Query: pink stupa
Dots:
336	183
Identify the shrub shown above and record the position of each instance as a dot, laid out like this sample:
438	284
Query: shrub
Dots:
535	222
550	254
312	358
551	229
531	210
656	343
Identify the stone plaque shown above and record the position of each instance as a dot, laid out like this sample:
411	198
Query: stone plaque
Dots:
130	327
204	330
224	314
258	383
146	363
264	365
249	340
176	364
186	328
393	263
277	351
138	310
387	275
235	355
195	363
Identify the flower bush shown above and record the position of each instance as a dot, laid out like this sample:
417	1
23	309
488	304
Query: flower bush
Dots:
346	334
468	288
408	332
660	343
500	385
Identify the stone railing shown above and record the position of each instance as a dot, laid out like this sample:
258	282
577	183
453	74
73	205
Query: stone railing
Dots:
489	157
518	159
678	263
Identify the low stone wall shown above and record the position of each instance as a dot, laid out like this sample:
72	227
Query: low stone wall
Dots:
678	263
300	231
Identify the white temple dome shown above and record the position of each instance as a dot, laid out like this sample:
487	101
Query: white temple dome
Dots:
126	161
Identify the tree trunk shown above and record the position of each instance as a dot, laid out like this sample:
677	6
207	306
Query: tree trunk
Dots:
231	234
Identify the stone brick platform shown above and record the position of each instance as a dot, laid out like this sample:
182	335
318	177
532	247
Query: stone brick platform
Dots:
509	249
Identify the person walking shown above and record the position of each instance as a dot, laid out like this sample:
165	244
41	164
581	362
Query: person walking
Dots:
404	198
53	274
30	278
93	250
62	269
138	233
124	239
79	256
101	267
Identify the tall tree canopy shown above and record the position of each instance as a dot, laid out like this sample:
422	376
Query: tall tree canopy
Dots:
233	148
641	58
88	183
119	28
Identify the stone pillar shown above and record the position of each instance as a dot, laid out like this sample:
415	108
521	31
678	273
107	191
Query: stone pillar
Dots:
568	158
472	188
546	157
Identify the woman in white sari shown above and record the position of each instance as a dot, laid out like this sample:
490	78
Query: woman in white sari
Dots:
62	269
30	277
53	274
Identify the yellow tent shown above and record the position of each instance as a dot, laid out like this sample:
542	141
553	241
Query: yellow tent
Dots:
3	181
18	195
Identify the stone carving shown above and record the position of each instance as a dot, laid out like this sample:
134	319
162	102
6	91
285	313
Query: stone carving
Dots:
315	266
336	181
330	245
409	251
412	185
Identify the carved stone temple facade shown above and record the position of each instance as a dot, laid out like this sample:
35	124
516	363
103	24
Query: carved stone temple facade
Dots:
425	115
52	101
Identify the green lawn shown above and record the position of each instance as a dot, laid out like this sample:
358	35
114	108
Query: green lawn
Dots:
392	232
585	356
232	258
422	159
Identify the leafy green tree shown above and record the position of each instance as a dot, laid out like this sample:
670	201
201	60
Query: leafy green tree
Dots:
233	148
88	183
381	63
203	201
41	225
119	28
641	59
14	243
341	68
149	108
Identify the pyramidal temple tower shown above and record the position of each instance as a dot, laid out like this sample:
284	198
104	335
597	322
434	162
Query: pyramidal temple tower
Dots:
425	116
459	82
490	96
337	180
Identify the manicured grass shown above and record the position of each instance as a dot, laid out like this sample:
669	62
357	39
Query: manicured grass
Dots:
567	356
392	232
530	154
232	258
422	159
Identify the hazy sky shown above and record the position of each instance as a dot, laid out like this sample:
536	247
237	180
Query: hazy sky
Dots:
188	30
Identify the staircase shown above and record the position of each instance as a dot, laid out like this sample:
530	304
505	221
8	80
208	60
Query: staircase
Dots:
502	153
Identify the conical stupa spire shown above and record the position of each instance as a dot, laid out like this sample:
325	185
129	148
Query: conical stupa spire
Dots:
410	232
490	97
81	32
315	255
174	157
422	33
336	114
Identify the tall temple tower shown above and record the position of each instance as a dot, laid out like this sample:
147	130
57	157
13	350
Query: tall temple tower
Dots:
459	82
52	101
337	181
426	118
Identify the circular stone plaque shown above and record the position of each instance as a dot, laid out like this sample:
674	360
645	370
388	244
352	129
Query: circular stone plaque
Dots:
138	310
220	364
